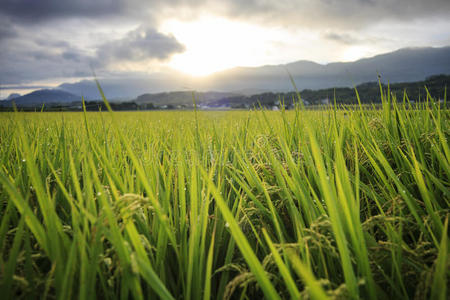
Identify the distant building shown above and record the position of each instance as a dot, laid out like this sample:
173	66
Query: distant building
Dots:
325	101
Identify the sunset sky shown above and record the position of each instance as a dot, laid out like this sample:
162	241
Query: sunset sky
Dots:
45	43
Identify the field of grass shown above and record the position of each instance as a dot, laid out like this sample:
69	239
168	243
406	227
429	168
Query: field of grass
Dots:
235	205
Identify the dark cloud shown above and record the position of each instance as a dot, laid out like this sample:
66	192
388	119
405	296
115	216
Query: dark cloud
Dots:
23	60
6	33
140	44
352	39
19	65
51	43
343	38
23	87
288	12
35	11
72	55
343	14
7	30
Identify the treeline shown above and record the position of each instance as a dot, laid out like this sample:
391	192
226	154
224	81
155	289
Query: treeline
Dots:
90	106
368	93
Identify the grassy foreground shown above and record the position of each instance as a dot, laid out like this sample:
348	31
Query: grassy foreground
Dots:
241	205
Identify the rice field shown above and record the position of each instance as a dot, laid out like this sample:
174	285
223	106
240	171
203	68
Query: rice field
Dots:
332	204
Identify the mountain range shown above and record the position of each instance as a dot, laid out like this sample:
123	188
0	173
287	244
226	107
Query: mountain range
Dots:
409	64
40	97
404	65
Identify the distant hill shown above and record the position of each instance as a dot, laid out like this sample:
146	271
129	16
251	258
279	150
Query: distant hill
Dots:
369	93
12	96
404	65
115	89
39	97
181	98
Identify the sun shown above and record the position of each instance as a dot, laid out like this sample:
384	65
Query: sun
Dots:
356	52
214	44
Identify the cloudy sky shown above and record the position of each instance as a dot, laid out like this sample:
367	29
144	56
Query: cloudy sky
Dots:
48	42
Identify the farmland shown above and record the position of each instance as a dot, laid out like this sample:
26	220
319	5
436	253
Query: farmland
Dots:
337	203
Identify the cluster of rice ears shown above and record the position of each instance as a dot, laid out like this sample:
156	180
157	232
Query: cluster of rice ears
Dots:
332	204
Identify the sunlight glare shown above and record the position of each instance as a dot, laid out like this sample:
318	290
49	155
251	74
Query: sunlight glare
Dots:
214	44
354	53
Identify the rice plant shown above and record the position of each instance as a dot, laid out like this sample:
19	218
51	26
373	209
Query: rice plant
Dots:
340	203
